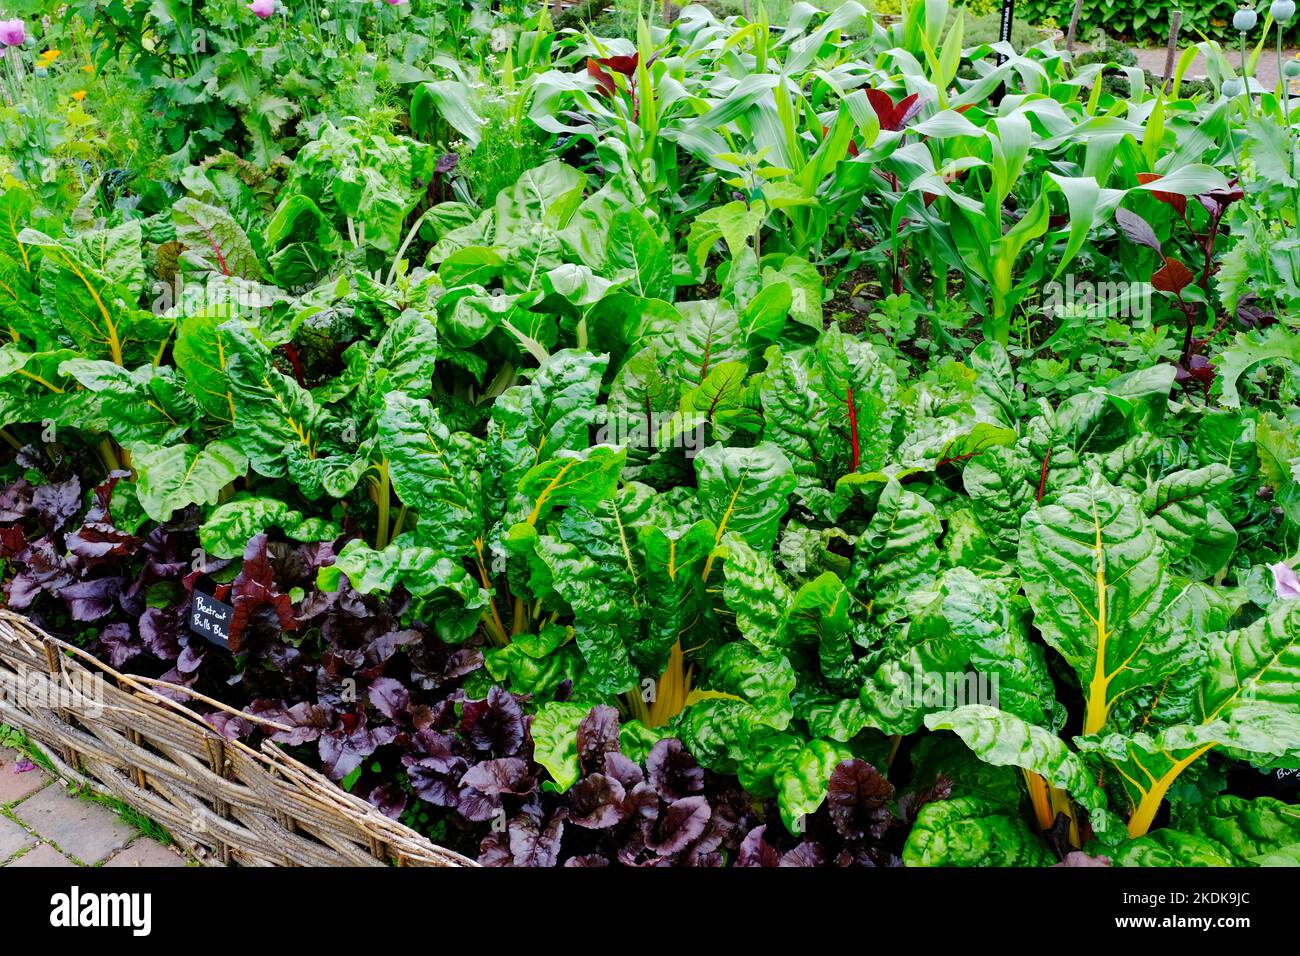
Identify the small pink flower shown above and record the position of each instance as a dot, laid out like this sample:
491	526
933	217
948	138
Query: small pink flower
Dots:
394	3
262	8
23	765
1285	583
13	32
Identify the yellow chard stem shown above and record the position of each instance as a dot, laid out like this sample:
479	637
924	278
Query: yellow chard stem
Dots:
670	691
1145	814
109	456
1048	802
1060	803
1098	706
492	623
494	628
1039	799
637	706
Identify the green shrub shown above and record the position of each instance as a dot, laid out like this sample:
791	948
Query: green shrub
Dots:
1106	49
1143	21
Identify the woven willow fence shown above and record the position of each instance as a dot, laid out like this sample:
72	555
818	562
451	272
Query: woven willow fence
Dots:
221	800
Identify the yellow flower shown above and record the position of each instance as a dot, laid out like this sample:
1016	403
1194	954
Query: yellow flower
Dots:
49	56
79	95
88	68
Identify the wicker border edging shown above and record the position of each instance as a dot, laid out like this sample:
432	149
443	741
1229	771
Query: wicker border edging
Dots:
220	799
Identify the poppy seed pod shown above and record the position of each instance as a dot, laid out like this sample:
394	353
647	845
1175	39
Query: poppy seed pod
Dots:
1291	69
1231	87
1282	10
1244	20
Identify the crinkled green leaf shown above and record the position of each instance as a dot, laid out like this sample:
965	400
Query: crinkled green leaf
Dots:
1259	832
272	412
1249	350
434	471
755	593
211	235
745	491
801	783
172	477
765	681
226	532
531	423
144	406
898	552
831	409
1095	573
819	613
585	478
1166	848
968	831
1000	493
202	353
536	663
603	624
1198	539
555	741
97	314
447	591
1004	739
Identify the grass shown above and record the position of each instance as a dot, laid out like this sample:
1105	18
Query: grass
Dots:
15	739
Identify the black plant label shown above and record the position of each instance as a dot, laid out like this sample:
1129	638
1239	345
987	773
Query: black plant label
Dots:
210	618
1004	32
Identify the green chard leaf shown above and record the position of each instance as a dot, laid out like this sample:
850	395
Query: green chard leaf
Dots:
172	477
434	471
273	414
969	831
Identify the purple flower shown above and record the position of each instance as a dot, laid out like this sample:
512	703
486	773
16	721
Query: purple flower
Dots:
394	3
23	765
13	32
262	8
1285	582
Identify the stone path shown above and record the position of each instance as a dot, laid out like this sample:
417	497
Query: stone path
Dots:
41	824
1152	59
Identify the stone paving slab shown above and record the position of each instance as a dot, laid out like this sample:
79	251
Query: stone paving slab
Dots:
87	831
13	838
51	826
145	853
15	784
43	856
